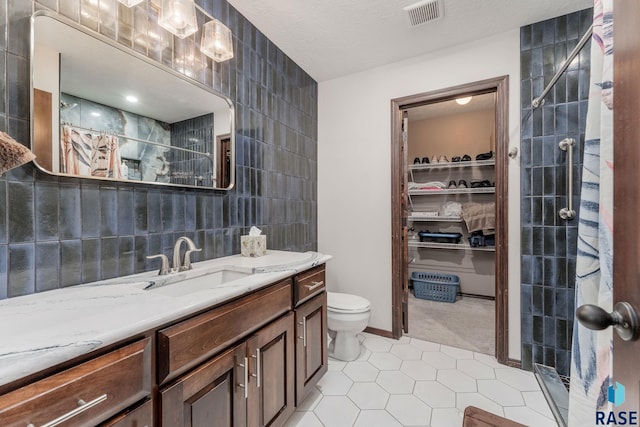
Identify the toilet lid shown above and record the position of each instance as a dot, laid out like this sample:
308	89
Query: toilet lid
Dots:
346	303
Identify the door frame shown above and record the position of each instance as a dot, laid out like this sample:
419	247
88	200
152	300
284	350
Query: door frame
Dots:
499	85
626	193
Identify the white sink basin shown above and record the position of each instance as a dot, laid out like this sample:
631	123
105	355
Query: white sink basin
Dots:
179	286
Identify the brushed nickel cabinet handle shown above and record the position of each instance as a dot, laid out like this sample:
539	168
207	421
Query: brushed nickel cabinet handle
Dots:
83	406
257	374
246	377
304	331
315	285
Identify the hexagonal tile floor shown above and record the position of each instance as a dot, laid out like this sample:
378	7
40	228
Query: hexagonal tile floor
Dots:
419	383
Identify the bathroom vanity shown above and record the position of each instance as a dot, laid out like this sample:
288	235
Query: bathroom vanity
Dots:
131	351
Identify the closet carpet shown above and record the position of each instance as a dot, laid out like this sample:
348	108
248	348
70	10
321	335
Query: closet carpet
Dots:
469	323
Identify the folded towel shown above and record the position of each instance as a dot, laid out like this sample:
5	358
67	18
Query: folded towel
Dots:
480	217
431	185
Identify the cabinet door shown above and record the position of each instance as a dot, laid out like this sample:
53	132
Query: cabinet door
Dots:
271	391
215	393
311	345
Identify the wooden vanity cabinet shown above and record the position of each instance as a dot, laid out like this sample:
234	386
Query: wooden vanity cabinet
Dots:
247	362
85	395
310	301
251	384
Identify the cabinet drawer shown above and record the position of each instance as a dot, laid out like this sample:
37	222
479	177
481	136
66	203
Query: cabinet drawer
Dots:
182	346
308	284
140	416
88	393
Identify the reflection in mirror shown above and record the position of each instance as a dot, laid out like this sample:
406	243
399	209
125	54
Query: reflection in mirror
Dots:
104	112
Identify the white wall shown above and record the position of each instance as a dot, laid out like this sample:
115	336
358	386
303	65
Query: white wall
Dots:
354	161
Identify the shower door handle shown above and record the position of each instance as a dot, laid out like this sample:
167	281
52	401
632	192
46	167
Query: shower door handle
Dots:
623	318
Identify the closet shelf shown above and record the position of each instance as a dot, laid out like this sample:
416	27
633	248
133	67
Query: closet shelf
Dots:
434	218
458	246
478	190
451	165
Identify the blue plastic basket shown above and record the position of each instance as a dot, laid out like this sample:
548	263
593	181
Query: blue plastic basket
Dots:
435	286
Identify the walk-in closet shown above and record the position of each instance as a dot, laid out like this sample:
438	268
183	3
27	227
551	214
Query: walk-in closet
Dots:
451	221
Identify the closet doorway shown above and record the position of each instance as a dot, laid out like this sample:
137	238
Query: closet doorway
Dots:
449	216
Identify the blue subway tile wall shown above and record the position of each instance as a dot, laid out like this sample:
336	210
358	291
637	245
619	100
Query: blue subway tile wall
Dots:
57	231
548	243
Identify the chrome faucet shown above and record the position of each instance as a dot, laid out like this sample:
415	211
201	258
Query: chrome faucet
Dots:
191	247
177	265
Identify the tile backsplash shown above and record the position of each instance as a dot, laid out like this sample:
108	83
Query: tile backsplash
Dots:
57	231
548	242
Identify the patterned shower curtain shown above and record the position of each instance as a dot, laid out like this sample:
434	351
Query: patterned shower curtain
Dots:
82	153
591	356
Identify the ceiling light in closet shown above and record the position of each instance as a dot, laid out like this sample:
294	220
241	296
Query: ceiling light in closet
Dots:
464	101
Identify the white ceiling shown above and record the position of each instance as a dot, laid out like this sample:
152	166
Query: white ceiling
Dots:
450	108
333	38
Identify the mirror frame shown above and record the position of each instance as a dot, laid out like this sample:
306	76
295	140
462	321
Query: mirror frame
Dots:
136	55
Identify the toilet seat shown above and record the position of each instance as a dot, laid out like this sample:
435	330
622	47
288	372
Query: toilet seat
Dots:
346	303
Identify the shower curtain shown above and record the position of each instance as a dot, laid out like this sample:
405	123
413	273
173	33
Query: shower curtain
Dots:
83	153
591	357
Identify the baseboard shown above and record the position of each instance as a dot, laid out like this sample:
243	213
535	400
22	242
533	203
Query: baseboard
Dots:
514	363
381	332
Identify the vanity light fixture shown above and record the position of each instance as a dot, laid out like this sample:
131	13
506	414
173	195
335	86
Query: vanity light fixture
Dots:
217	41
464	101
130	3
178	17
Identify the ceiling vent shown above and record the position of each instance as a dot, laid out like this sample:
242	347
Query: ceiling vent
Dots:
424	11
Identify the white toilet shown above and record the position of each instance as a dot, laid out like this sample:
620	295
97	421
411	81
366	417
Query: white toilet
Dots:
347	316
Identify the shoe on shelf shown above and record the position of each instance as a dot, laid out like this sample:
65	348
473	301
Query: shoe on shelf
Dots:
443	159
455	159
425	160
452	184
477	183
466	158
416	160
462	183
434	159
485	156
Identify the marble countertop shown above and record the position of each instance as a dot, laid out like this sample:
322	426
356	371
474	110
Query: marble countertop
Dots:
44	329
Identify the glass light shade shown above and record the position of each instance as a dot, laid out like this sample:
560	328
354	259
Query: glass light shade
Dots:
217	41
130	3
178	17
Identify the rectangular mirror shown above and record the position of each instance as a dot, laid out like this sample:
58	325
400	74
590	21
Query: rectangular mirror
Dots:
102	111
